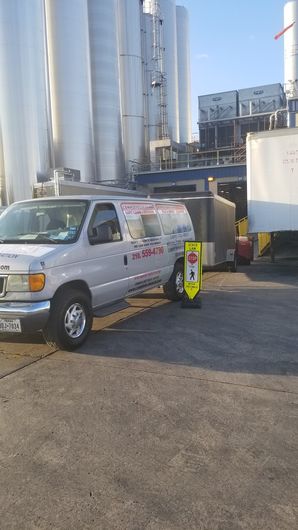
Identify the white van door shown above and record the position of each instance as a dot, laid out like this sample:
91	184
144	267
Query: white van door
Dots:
106	267
146	256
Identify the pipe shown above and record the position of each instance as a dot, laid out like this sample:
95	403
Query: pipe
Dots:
272	122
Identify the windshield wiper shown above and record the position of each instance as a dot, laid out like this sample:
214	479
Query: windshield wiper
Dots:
44	238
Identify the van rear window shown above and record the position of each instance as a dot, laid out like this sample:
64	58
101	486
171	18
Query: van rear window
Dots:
142	219
174	218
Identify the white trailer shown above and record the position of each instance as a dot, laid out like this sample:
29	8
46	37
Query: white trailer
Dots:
213	219
272	180
272	189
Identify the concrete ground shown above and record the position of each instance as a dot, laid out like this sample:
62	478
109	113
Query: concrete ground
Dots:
167	419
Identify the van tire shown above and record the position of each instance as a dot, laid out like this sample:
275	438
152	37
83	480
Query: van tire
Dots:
173	289
62	331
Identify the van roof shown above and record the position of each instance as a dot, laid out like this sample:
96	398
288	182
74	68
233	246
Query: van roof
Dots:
96	198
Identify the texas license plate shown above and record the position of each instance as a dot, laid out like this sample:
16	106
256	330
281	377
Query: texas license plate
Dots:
10	325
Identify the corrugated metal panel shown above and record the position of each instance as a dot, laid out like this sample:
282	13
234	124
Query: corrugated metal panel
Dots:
218	106
69	66
23	97
183	56
106	90
265	98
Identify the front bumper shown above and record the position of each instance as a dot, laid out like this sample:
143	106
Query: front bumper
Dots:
33	315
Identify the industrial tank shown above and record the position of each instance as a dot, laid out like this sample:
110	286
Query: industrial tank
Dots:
165	10
70	89
106	90
291	49
3	199
183	57
23	97
152	89
131	78
168	13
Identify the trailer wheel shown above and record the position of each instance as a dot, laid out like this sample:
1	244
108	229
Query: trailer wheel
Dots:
70	320
174	288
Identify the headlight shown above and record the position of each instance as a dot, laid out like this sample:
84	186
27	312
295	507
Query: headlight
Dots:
25	282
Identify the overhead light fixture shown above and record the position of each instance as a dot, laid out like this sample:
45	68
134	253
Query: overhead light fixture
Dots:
211	179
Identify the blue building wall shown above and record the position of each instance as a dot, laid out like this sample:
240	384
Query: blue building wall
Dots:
178	175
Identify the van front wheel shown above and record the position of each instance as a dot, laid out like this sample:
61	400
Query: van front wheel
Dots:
70	320
174	288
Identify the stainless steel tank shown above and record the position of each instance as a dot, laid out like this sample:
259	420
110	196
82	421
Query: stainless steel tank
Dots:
156	86
152	92
291	49
70	88
183	57
168	13
23	96
106	90
131	81
3	199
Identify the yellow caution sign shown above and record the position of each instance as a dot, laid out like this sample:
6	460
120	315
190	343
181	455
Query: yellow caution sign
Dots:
192	268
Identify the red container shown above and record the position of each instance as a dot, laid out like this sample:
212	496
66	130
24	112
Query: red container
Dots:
244	250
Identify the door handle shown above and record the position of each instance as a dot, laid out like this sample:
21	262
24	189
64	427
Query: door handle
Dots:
125	259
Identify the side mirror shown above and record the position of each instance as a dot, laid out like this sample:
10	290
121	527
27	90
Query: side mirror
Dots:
101	234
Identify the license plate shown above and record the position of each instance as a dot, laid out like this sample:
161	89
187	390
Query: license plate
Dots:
10	326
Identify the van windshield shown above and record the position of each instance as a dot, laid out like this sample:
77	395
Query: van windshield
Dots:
46	222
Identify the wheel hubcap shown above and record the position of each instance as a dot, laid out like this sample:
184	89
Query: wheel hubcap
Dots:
75	321
179	282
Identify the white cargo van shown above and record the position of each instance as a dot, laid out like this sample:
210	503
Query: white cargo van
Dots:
62	259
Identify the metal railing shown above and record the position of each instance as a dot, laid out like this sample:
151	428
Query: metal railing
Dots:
242	226
195	158
263	242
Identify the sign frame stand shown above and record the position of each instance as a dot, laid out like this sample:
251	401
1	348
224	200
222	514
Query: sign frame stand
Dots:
192	280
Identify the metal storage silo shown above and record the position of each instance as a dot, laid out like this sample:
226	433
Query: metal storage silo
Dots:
156	80
131	80
106	90
3	199
291	48
183	56
70	89
168	13
153	120
23	96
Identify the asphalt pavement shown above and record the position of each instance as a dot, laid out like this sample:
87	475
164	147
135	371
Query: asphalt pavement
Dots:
166	419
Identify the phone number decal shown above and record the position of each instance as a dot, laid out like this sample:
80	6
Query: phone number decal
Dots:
148	252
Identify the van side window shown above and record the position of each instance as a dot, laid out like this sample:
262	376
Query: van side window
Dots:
174	218
142	220
104	225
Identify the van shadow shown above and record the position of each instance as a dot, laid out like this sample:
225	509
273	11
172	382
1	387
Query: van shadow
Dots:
247	324
252	331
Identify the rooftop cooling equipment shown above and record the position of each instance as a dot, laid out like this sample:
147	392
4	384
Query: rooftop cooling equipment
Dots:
66	173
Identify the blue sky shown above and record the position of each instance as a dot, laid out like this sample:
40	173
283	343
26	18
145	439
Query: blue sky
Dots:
232	45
